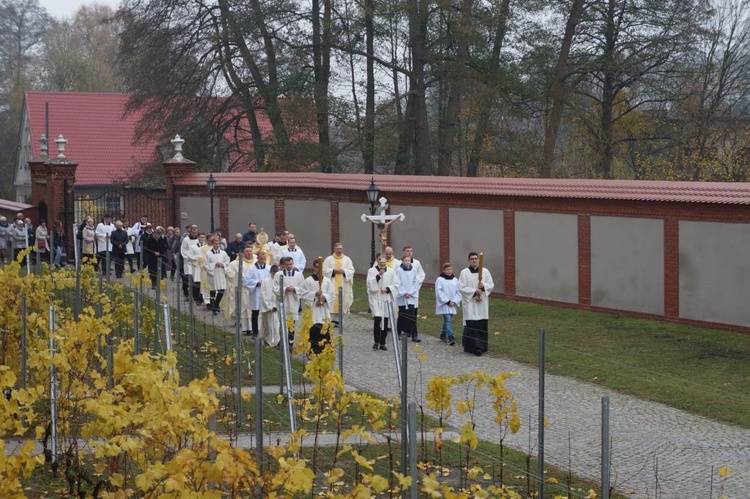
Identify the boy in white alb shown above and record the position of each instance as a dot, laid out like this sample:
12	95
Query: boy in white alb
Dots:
319	296
447	299
268	329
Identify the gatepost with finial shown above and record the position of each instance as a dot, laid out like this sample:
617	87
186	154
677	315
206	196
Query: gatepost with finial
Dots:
174	168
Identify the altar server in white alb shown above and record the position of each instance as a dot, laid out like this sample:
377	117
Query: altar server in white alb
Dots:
269	309
475	284
420	276
231	308
406	299
382	287
190	252
252	280
340	269
447	300
214	265
319	296
289	284
295	252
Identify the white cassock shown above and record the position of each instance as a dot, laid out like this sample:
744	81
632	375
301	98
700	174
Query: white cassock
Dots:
291	298
233	279
408	284
205	288
345	280
298	256
379	301
268	323
446	290
468	282
276	250
103	232
191	253
419	272
321	312
217	280
254	275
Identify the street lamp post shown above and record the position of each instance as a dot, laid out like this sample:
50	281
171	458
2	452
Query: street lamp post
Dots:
211	182
372	196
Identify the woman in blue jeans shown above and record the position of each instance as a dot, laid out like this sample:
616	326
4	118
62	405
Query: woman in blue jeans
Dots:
58	242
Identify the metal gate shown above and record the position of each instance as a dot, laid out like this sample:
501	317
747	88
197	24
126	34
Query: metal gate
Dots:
122	203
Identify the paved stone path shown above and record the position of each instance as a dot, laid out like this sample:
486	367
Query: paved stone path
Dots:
657	451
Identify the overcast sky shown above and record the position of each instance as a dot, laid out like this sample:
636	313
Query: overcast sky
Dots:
66	8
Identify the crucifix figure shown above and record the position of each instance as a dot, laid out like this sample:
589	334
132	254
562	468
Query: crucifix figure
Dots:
383	221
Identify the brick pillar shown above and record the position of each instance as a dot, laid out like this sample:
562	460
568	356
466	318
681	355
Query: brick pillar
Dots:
672	267
509	250
61	179
584	259
335	228
279	217
444	229
224	217
174	169
39	182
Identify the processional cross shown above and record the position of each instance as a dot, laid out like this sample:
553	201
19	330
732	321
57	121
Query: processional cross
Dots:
383	221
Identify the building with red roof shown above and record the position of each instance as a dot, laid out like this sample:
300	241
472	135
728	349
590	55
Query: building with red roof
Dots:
100	137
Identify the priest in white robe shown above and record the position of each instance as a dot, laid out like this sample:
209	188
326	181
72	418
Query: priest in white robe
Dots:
289	284
340	269
319	296
475	299
214	264
233	279
254	276
269	320
382	287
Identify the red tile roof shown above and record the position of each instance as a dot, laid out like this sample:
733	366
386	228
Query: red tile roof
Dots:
633	190
100	137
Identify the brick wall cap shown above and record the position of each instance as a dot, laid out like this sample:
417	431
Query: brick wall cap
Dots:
632	190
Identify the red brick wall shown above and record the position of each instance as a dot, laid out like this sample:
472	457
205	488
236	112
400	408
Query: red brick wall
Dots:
670	212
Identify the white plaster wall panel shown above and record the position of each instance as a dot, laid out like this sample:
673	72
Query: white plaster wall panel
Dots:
310	222
627	264
420	229
354	234
715	272
198	213
547	256
242	211
481	231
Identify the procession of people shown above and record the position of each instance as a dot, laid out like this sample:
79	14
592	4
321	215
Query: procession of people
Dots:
272	278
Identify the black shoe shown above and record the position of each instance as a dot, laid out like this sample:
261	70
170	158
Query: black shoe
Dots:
443	339
416	340
247	333
478	352
383	347
375	346
452	343
216	312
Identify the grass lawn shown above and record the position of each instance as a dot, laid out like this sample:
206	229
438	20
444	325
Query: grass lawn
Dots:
704	371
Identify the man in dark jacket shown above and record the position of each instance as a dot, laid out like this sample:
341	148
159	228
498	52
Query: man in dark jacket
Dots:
235	247
119	240
153	250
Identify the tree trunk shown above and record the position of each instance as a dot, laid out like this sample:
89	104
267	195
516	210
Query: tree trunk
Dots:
606	123
368	144
472	166
559	90
322	76
416	128
457	84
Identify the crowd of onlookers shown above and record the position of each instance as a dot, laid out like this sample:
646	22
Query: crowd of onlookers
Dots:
20	234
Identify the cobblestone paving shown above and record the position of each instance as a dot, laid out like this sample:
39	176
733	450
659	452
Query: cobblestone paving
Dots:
657	451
